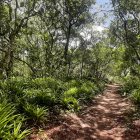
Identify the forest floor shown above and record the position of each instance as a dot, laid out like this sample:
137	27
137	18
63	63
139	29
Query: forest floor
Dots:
106	118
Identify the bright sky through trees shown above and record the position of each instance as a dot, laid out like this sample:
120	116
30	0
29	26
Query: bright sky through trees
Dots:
105	7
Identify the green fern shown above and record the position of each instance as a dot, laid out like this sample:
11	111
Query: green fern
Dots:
10	123
36	113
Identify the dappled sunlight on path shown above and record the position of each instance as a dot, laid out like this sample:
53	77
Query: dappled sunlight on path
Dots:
103	120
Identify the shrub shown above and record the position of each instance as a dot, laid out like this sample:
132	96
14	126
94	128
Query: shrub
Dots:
83	93
42	93
10	123
12	87
35	113
86	92
135	96
12	90
46	100
46	83
130	83
38	83
35	98
42	97
75	95
71	92
73	83
70	103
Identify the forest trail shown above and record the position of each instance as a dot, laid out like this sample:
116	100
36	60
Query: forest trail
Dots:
103	119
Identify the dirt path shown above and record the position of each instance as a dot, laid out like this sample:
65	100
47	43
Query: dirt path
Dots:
103	120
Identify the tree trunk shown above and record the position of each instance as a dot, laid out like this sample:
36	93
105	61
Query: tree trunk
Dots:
67	45
9	58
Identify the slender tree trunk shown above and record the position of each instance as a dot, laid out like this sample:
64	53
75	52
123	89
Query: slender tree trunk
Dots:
82	62
69	67
10	59
66	62
82	65
1	69
67	44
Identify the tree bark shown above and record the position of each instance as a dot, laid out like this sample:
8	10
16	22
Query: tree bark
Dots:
67	44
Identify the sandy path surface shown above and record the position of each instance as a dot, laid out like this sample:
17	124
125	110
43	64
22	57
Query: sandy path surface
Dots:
104	119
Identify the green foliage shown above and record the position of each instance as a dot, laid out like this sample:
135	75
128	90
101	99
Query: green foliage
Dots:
40	40
70	103
130	83
17	134
73	83
43	83
86	92
47	98
11	124
135	96
81	92
131	88
14	86
35	99
44	97
4	17
71	92
35	113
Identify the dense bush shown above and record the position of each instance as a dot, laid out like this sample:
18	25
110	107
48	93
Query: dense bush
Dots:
131	88
37	98
42	83
130	83
47	92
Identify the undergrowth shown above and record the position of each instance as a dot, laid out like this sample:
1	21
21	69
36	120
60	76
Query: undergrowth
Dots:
33	100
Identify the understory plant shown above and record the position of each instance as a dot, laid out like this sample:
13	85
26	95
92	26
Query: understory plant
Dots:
135	96
36	99
11	124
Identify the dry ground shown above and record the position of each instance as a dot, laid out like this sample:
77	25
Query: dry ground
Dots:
104	119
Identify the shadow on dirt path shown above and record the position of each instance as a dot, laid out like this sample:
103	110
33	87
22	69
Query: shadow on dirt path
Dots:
103	120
